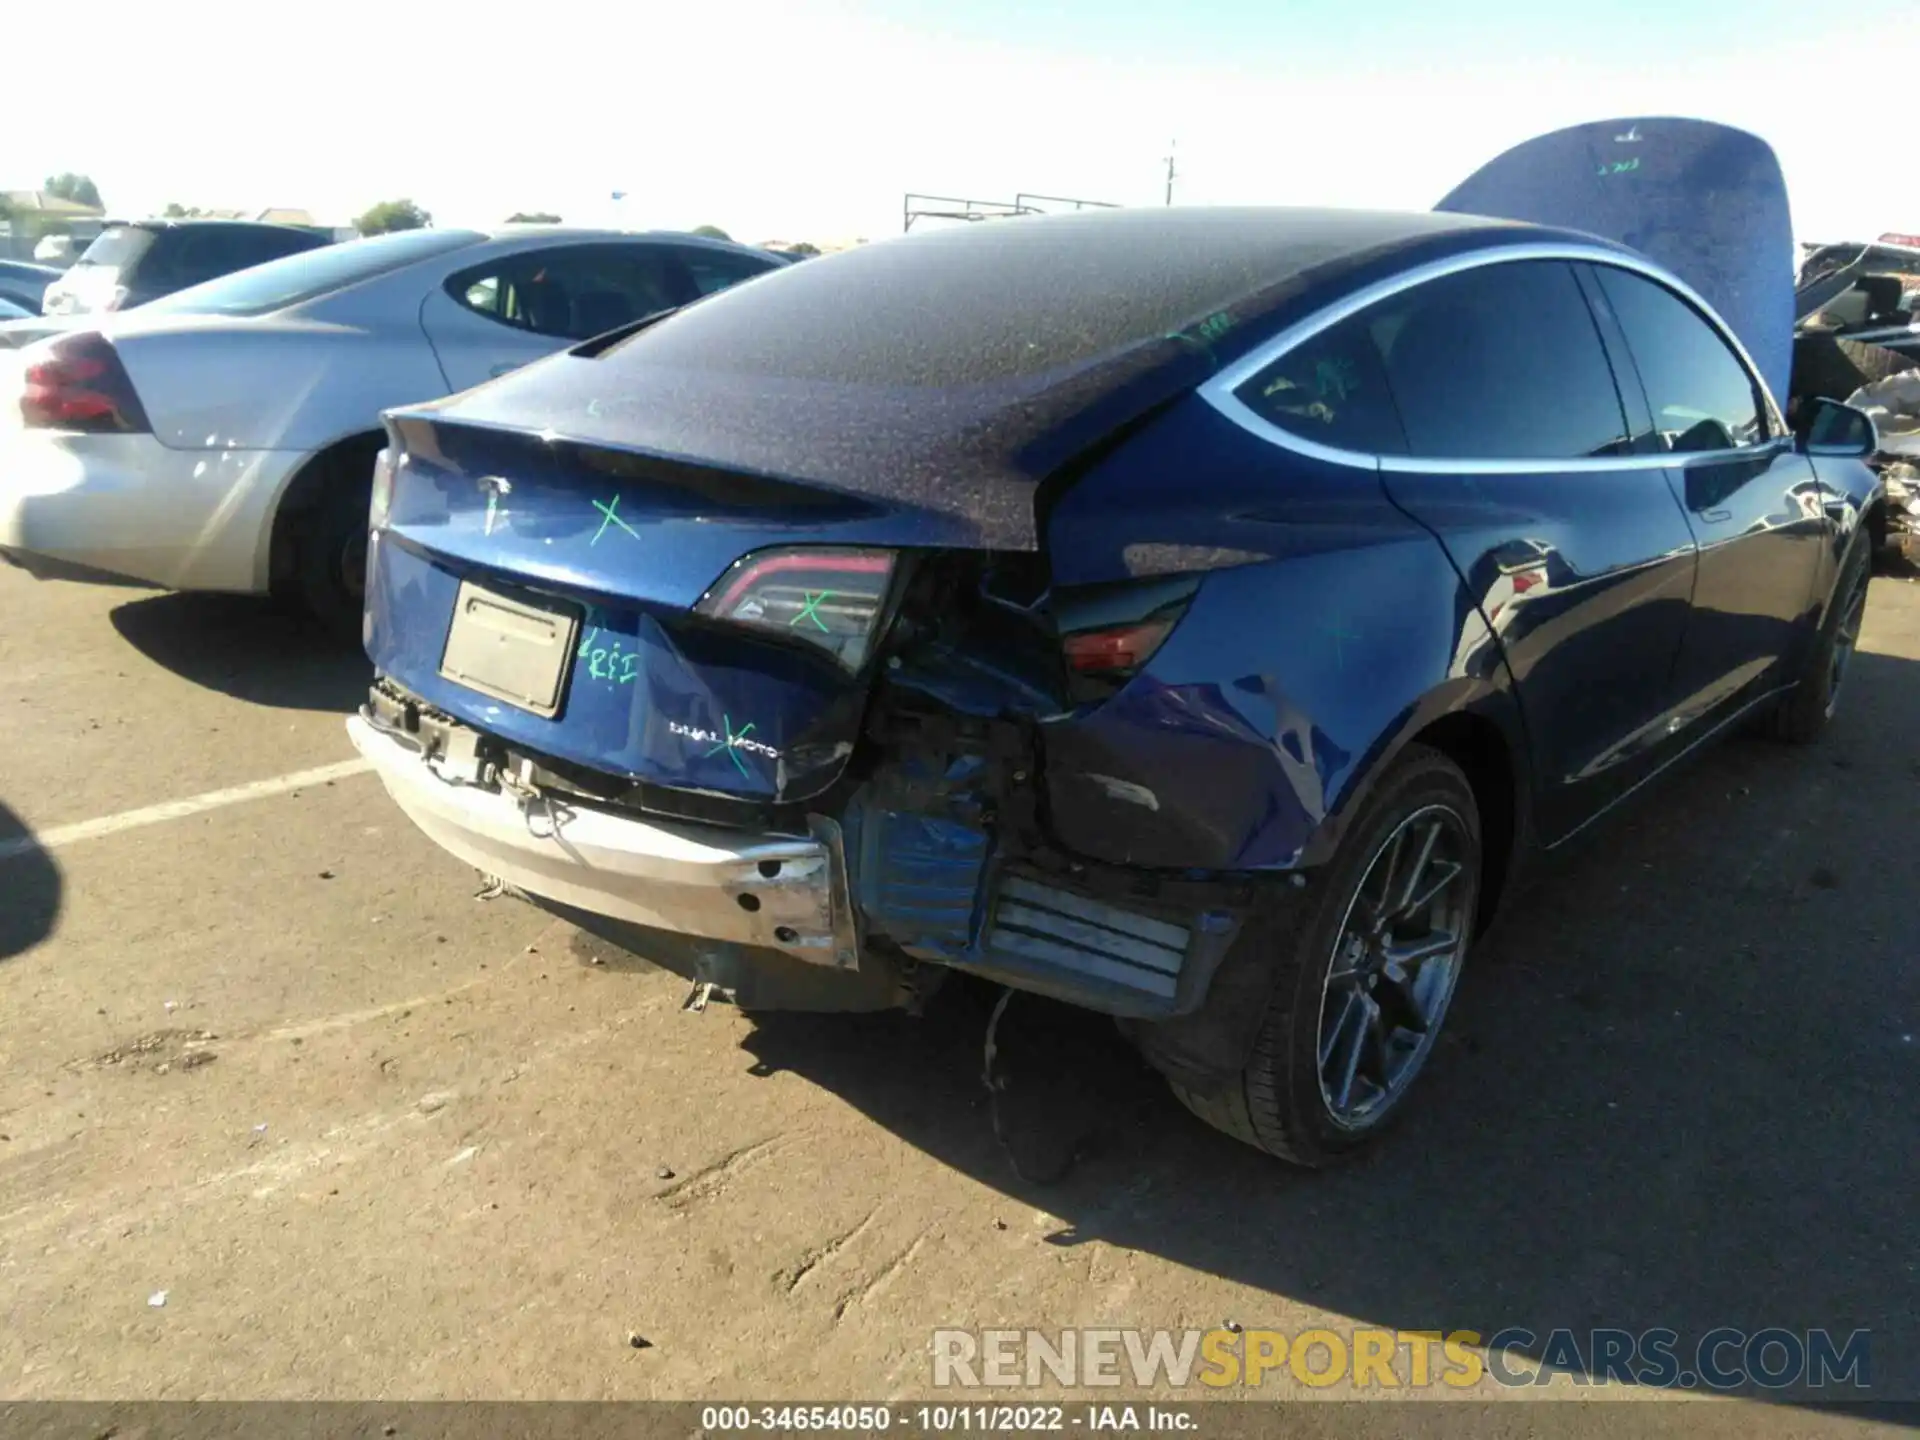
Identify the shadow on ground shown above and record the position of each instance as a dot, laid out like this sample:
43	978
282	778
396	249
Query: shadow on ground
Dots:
247	648
30	888
1677	1090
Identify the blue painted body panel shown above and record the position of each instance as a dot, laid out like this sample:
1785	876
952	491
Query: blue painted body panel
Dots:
1253	720
652	696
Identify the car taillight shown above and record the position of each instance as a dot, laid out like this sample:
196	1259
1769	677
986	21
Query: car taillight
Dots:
1119	651
831	599
76	382
1108	632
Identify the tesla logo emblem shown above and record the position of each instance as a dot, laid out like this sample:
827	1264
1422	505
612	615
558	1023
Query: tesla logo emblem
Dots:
495	488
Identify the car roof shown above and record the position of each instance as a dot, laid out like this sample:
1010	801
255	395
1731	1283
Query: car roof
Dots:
165	223
956	369
526	231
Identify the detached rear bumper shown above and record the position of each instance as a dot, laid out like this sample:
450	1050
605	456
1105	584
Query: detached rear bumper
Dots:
784	893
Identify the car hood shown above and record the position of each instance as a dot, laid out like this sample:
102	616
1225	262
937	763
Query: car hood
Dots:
1705	201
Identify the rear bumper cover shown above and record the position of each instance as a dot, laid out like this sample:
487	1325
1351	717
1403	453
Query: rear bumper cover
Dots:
784	893
893	865
131	508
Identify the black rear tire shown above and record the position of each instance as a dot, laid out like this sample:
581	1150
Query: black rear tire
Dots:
1278	1103
330	555
1804	712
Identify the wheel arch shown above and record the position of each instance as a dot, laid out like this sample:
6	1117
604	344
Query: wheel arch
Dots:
303	493
1481	730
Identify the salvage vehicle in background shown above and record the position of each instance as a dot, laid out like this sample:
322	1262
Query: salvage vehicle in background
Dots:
133	263
222	438
1857	339
1203	617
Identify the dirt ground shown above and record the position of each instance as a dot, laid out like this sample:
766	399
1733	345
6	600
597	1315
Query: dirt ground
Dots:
286	1111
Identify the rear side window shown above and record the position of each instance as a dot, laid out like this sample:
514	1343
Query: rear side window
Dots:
1500	362
119	246
1331	390
712	270
574	292
1701	395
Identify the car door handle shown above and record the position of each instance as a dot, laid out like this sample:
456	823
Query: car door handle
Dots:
1718	517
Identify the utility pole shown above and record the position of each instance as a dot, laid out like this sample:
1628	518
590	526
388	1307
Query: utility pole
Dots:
1170	170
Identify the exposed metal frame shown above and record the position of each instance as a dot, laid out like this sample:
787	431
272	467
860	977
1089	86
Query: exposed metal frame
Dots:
969	210
1219	391
1036	203
915	206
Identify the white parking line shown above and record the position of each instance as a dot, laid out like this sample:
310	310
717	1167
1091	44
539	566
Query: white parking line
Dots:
178	809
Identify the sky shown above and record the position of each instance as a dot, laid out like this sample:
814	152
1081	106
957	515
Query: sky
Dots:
809	119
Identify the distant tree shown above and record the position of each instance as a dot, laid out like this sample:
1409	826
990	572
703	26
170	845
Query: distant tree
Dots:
532	217
176	211
393	215
805	247
712	232
80	189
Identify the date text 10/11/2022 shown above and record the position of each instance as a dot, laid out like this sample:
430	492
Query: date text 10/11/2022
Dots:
947	1419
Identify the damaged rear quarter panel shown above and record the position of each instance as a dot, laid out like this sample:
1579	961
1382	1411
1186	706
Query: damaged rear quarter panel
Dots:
1292	675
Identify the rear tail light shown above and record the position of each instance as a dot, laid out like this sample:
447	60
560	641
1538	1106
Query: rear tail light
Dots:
830	599
76	382
1107	633
1119	651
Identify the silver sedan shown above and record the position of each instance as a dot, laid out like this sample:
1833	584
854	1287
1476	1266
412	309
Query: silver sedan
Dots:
223	438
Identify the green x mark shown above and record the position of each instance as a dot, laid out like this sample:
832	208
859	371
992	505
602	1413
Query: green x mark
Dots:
611	519
730	743
811	610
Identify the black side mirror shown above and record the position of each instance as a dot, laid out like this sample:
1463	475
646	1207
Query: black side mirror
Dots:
1828	427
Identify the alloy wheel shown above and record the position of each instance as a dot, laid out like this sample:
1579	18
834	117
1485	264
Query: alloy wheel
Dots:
1395	964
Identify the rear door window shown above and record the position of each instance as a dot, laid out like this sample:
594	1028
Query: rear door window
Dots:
1703	398
712	270
1500	362
574	292
119	246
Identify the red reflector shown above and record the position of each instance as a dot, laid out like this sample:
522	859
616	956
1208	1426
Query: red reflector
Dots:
1125	648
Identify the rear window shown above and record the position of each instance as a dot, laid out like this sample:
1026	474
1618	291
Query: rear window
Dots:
312	273
120	246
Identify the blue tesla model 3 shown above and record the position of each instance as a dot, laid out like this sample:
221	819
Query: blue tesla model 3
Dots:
1199	616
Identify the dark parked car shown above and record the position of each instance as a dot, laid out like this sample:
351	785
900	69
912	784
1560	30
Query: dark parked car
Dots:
1200	616
26	285
134	263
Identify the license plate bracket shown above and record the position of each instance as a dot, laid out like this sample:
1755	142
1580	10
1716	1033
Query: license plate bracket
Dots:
510	649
